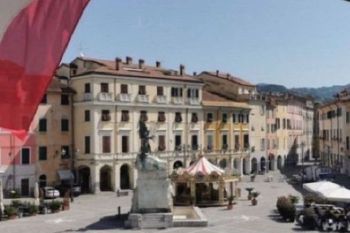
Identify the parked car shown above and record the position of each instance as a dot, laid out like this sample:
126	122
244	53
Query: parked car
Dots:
50	192
64	188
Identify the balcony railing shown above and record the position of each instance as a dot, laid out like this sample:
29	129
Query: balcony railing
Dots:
161	99
142	98
105	96
87	96
193	101
177	100
124	97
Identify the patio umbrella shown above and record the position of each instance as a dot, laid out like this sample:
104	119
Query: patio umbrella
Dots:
321	186
341	194
36	194
1	198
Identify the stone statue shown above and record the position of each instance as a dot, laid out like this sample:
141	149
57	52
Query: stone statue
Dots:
145	160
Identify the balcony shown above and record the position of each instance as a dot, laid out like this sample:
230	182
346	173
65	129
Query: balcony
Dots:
124	97
142	98
161	99
177	100
105	96
193	101
87	96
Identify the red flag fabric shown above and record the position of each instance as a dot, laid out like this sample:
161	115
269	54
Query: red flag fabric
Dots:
33	37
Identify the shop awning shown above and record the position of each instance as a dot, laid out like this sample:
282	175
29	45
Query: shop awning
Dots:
65	174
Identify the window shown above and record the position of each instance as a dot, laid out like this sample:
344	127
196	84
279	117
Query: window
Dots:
65	152
143	116
178	142
125	144
42	181
246	141
25	156
142	90
42	153
106	144
209	117
161	116
240	118
347	117
210	142
125	116
194	142
262	144
237	142
339	112
64	125
87	145
87	115
194	117
193	93
178	117
124	89
44	99
42	125
224	118
224	142
87	88
277	123
284	123
104	87
161	142
64	99
160	91
176	92
234	120
105	115
247	118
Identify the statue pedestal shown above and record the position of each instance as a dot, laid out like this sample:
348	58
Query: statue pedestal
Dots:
152	202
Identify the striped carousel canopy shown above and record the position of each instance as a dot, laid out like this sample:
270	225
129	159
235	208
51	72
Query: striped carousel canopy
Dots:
203	167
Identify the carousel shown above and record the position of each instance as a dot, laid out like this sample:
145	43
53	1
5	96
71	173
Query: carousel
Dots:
203	184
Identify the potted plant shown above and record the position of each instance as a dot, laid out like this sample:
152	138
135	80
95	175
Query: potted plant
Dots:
11	212
254	196
249	190
286	208
33	209
230	202
293	199
55	206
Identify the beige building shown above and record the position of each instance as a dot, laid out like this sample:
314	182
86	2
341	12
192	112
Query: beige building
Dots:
334	130
112	97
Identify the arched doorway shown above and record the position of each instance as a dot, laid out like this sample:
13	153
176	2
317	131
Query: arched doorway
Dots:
254	165
223	163
106	178
42	181
84	179
271	162
263	164
279	162
125	177
177	164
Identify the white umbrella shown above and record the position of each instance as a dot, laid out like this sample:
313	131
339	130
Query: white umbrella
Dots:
321	186
341	194
1	198
36	194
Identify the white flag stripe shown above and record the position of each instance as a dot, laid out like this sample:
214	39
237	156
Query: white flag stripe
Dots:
13	7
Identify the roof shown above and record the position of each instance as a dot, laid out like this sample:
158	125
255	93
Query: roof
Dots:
203	167
209	96
229	77
108	67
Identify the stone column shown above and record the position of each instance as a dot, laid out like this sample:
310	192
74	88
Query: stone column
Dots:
95	179
221	191
193	189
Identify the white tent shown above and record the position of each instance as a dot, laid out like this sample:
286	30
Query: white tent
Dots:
341	194
204	167
321	186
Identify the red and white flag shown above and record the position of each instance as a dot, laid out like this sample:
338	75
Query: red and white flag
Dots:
33	37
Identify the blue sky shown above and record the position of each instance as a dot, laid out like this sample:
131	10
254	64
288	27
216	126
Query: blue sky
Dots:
291	42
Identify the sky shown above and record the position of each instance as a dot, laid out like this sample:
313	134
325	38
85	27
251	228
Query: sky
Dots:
296	43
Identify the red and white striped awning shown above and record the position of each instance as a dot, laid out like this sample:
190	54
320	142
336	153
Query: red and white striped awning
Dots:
203	167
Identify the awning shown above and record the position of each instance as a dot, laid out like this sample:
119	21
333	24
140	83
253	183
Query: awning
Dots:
65	174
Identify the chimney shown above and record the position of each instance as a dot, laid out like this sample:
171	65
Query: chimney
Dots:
128	60
117	63
182	70
141	63
194	73
158	64
217	73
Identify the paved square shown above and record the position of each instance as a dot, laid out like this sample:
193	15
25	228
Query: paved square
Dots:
97	213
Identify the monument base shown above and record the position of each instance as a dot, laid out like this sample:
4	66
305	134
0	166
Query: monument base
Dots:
149	221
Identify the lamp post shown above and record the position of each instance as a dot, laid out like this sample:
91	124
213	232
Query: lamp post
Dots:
302	162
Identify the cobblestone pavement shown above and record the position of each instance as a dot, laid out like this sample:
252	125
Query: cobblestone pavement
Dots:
97	213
